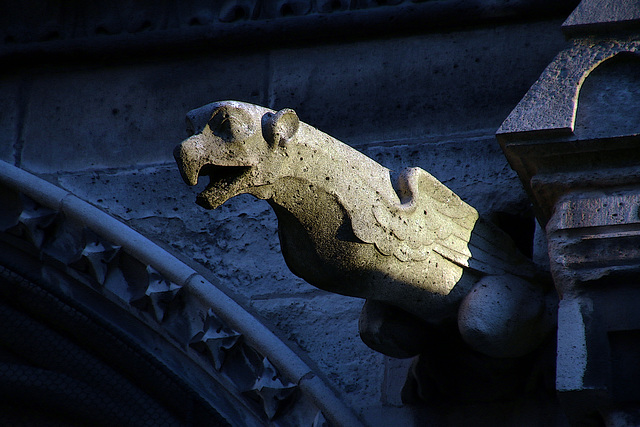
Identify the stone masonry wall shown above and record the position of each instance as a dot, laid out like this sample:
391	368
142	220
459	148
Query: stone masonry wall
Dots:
106	130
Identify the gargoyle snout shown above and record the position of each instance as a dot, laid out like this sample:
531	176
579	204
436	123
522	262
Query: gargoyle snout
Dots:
189	158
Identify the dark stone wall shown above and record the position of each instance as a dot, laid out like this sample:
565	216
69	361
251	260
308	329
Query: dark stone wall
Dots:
94	100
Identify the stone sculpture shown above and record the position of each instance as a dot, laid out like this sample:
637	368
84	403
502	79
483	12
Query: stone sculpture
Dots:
414	250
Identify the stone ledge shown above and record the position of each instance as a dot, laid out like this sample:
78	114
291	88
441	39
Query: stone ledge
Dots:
106	33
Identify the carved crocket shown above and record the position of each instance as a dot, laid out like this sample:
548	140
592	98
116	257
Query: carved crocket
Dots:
344	227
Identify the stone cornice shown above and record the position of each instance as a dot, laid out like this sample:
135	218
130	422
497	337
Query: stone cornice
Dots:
91	29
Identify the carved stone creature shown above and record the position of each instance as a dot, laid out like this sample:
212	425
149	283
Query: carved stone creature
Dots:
344	227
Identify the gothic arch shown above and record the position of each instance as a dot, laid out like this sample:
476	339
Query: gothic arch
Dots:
101	326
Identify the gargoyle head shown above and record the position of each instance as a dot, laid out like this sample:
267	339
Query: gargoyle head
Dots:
240	147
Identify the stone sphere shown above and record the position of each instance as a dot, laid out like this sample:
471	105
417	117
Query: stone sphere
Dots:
504	316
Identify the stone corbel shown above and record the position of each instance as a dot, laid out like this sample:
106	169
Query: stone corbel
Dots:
574	141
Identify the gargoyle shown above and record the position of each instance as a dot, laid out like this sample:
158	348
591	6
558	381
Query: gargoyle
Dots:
344	227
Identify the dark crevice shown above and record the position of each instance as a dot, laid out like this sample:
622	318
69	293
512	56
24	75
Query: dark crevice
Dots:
520	227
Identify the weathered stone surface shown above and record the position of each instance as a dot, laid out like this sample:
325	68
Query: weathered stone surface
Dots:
364	80
341	355
549	135
472	166
573	140
345	229
593	241
592	16
119	116
514	322
456	111
169	215
220	240
608	99
550	104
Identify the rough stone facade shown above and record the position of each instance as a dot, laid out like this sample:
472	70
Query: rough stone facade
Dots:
573	141
97	109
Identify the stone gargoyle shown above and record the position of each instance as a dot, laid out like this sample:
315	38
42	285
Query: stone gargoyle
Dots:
412	246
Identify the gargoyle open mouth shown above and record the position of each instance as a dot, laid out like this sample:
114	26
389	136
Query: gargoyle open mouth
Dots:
224	183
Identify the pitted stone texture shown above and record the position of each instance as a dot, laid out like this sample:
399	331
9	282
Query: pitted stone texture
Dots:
238	244
340	354
516	312
221	239
449	83
416	246
169	215
343	226
155	201
592	16
128	114
550	104
473	166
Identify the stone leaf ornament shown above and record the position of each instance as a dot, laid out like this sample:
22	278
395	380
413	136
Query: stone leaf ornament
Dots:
346	228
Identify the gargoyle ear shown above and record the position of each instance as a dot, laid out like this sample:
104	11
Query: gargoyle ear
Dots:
280	127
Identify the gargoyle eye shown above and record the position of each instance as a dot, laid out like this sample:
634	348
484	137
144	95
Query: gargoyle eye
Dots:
221	126
231	124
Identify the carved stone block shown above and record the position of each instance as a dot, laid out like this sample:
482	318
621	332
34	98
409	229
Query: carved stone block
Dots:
437	277
574	140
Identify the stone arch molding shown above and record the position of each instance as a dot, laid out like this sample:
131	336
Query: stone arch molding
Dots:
608	97
551	103
158	309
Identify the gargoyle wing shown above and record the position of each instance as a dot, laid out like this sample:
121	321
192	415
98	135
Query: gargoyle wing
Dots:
432	218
